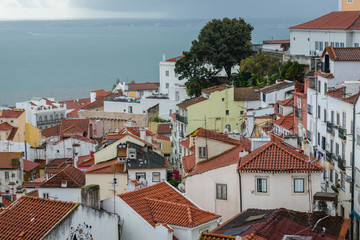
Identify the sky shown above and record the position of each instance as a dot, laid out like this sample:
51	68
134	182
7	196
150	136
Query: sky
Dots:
202	9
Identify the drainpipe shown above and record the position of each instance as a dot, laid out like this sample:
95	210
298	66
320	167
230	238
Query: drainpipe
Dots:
240	190
352	172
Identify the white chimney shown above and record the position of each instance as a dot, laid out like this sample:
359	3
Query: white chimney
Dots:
143	133
164	59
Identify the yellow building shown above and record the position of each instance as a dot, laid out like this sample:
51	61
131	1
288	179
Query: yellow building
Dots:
16	118
349	5
220	108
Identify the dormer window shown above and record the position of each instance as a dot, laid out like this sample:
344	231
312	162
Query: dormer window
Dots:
202	152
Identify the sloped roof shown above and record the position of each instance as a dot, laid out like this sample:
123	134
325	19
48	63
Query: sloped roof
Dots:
276	41
108	167
162	203
223	159
214	236
277	86
135	131
246	94
215	88
10	113
51	131
164	128
59	162
143	86
5	126
276	156
342	53
29	165
6	159
339	94
287	102
145	158
12	133
81	125
185	143
76	103
190	102
34	193
342	20
99	103
175	58
189	163
201	132
161	137
258	224
286	122
74	178
86	161
31	218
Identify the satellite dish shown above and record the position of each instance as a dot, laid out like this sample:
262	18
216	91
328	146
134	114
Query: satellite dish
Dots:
348	179
181	187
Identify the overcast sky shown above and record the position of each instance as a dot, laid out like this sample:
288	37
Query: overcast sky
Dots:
204	9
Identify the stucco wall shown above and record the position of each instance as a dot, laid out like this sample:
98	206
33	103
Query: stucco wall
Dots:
201	189
213	147
62	194
149	175
105	180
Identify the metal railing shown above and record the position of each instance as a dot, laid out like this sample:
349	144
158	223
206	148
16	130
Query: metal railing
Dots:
342	133
329	127
181	119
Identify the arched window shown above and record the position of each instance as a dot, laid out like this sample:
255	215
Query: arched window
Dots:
45	119
40	119
56	117
51	118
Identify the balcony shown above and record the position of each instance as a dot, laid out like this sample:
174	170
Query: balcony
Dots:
329	127
341	163
329	156
342	133
181	119
309	109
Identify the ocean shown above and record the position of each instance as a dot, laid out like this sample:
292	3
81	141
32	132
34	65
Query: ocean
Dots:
66	59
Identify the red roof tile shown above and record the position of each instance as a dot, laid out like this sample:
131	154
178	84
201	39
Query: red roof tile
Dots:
339	94
185	143
51	132
74	178
42	162
224	159
161	203
190	102
5	126
287	102
276	156
286	122
143	86
10	113
213	236
59	162
34	193
12	133
201	132
276	41
325	75
71	127
6	159
342	53
30	165
277	86
164	128
108	167
175	58
86	161
135	131
189	163
31	218
343	20
161	137
215	88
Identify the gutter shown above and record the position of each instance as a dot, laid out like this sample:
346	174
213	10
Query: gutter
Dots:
240	191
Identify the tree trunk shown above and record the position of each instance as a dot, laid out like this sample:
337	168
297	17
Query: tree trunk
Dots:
228	72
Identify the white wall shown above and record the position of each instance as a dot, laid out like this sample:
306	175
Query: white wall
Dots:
100	224
280	191
123	107
62	194
65	148
275	96
201	188
148	172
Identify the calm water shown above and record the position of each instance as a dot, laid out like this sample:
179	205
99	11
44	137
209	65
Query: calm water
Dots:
67	59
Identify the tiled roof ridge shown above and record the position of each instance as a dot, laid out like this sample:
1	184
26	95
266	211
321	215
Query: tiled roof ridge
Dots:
68	166
353	23
105	166
218	136
220	154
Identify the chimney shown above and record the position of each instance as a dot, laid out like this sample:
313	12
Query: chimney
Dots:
143	133
164	59
76	158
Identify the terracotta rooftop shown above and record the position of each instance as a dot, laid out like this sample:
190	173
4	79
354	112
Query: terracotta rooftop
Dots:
70	127
135	131
273	224
31	218
215	88
276	156
164	128
189	163
185	143
51	131
342	53
246	94
60	162
343	20
73	104
86	161
12	133
276	41
73	177
339	94
143	86
223	159
5	126
277	86
286	122
214	236
287	102
29	165
6	160
175	58
161	137
161	203
201	132
10	113
190	102
34	193
108	167
325	75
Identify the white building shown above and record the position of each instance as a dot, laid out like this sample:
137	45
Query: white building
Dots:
128	105
277	92
311	38
160	212
276	175
43	112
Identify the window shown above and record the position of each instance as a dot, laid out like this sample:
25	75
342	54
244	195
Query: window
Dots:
344	120
342	44
7	176
46	195
140	175
167	73
227	112
318	139
202	152
338	119
358	136
264	97
45	119
332	117
317	45
325	87
331	175
299	185
156	177
130	110
261	185
40	119
343	151
342	181
325	115
319	86
167	85
228	127
51	118
223	99
337	149
331	146
326	44
13	175
11	121
356	44
321	46
349	1
221	191
319	111
337	44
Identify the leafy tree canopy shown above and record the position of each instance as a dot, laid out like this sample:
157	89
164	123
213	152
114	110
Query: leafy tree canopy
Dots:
261	64
221	44
292	71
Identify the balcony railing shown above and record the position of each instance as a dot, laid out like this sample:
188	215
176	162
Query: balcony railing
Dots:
341	163
329	156
181	119
329	127
309	109
342	133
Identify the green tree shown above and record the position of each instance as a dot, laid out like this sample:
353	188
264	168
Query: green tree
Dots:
292	71
221	44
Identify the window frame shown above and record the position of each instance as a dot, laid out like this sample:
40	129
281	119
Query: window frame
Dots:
221	195
154	173
295	179
257	185
140	174
202	152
